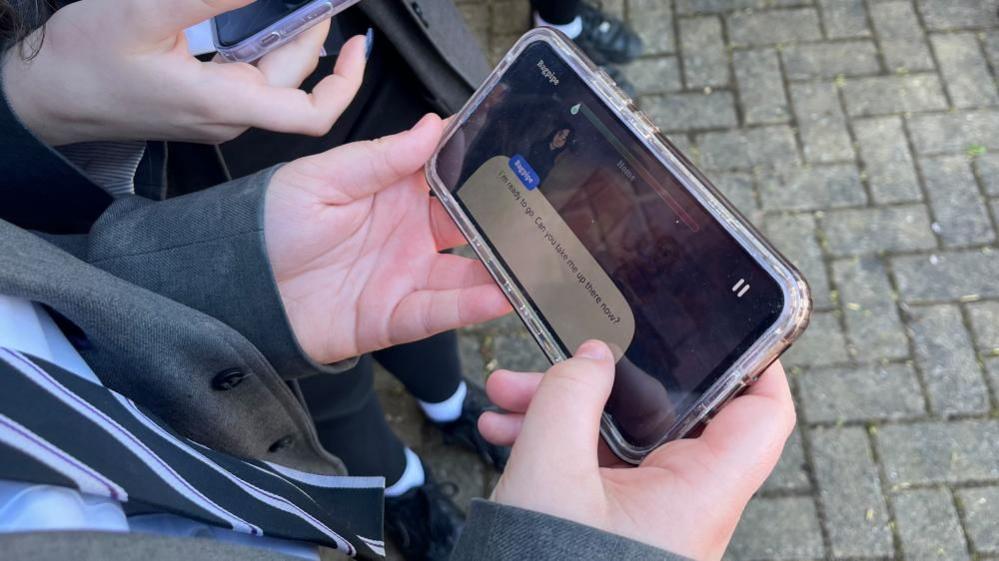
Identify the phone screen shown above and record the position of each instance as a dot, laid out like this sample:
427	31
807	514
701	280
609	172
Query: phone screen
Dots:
239	25
606	242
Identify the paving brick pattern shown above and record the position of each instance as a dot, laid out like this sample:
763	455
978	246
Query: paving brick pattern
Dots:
863	137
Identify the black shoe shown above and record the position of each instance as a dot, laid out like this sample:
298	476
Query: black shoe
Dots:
464	430
606	39
424	523
622	82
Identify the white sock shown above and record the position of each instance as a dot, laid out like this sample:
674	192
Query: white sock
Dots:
412	477
572	29
447	410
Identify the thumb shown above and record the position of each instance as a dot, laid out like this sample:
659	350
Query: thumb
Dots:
361	169
563	419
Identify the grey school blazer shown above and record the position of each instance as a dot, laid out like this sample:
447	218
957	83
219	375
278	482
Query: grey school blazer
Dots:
174	305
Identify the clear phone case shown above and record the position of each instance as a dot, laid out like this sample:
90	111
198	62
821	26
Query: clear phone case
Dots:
797	300
281	32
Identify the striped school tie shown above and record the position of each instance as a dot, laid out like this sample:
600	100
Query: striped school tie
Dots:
59	429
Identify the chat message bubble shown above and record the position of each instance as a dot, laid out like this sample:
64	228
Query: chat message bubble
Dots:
571	290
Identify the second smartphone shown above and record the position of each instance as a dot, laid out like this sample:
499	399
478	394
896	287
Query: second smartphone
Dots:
246	34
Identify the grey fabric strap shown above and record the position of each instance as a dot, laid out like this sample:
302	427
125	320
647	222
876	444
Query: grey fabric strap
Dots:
106	546
504	533
111	165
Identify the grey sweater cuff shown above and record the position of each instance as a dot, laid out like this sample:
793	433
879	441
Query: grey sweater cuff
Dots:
207	251
496	532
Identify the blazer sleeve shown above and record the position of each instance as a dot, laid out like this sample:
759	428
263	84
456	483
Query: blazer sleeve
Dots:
35	176
495	532
205	250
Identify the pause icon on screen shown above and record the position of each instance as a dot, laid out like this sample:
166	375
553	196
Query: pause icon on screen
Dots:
741	288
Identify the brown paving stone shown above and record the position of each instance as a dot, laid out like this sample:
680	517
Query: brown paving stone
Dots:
821	123
888	162
762	147
958	14
981	511
805	61
761	90
653	21
939	452
769	27
952	275
878	230
955	132
958	206
812	188
844	18
873	327
884	95
965	71
851	493
945	353
777	529
705	62
902	40
654	75
929	526
691	110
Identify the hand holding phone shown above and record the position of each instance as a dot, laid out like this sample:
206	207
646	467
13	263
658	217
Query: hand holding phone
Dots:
686	497
356	244
596	227
138	58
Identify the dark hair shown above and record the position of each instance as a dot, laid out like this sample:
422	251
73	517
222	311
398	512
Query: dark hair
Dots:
19	19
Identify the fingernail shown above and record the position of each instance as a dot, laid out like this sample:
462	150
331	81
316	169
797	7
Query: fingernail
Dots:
369	42
594	350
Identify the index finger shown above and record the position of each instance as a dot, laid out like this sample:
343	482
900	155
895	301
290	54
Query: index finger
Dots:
291	110
154	20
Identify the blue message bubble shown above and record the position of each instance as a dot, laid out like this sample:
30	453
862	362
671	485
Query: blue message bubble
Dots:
524	172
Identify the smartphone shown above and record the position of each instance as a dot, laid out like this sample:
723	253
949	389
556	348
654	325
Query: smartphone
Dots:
596	227
246	34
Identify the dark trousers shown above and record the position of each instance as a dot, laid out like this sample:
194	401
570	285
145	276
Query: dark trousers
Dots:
558	12
349	418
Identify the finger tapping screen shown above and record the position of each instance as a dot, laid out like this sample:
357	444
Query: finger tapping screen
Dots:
606	242
239	25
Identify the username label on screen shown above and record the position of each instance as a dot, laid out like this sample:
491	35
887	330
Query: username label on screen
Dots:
524	172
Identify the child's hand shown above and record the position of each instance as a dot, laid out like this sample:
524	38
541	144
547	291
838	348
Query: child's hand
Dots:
120	70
